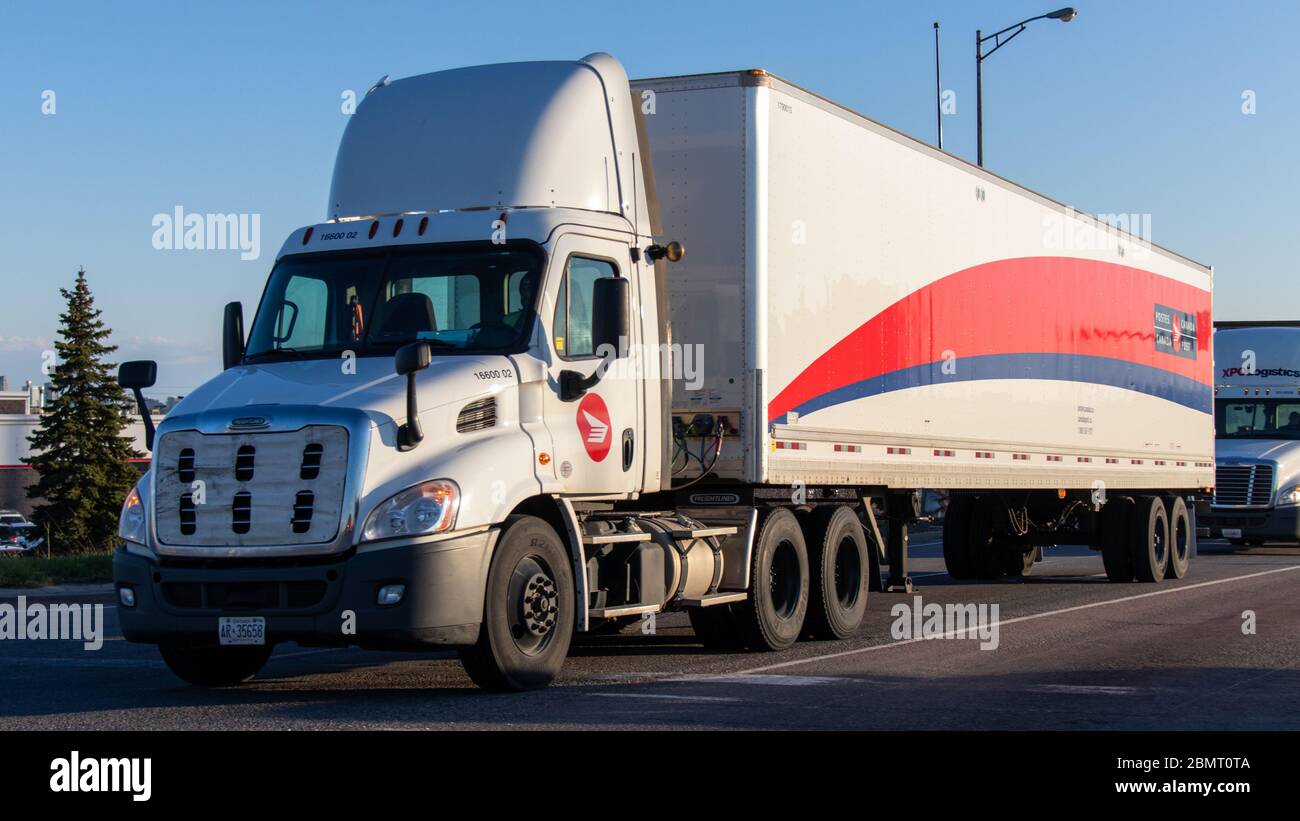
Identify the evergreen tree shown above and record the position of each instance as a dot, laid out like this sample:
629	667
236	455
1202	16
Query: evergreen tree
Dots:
78	451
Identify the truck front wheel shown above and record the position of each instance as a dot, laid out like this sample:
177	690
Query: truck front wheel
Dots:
204	664
527	610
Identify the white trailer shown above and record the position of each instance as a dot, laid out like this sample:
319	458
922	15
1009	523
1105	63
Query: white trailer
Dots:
453	420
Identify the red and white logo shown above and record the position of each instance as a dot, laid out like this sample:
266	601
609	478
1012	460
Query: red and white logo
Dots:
593	426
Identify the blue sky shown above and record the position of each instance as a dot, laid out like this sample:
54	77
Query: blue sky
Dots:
1134	107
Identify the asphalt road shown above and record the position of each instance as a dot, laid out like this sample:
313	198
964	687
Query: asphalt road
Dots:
1074	652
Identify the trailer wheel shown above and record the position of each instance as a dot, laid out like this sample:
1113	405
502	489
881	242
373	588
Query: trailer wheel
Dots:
838	564
956	538
204	664
1115	516
1149	539
773	615
1181	537
987	552
716	627
527	610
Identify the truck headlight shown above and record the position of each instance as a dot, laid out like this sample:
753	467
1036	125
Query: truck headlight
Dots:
429	507
1289	496
130	525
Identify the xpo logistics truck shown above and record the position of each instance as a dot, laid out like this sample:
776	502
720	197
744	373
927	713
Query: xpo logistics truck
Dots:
1257	433
570	350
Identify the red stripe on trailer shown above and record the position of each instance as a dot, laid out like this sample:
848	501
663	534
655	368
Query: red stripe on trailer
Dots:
847	448
792	445
1043	305
983	454
1023	457
1111	461
1135	461
1083	458
900	451
1051	458
945	453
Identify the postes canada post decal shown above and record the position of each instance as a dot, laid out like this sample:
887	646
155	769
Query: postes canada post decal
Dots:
593	426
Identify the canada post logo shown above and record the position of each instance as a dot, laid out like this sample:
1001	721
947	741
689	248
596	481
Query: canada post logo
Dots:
1175	332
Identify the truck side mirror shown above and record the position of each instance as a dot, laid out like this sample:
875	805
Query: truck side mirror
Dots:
609	334
232	336
410	360
609	319
135	377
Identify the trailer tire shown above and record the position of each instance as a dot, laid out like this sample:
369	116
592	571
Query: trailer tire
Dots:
772	617
987	552
716	627
1149	539
1115	516
205	664
838	564
528	610
1181	537
956	538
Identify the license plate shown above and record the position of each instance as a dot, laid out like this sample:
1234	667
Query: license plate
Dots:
241	630
1232	533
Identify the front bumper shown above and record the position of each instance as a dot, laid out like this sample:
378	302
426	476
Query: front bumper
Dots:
315	602
1275	524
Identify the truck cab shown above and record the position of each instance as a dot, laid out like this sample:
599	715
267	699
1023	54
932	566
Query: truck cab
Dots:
1257	433
429	372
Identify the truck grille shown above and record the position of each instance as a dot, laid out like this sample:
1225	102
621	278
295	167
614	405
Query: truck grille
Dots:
250	489
1243	485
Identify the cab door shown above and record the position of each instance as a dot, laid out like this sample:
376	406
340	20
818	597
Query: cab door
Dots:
596	436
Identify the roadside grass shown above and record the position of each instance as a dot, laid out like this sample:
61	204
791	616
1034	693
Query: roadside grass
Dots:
37	571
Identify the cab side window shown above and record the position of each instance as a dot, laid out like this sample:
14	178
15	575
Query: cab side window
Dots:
573	306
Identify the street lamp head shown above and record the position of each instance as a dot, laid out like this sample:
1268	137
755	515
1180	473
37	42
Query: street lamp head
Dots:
1065	15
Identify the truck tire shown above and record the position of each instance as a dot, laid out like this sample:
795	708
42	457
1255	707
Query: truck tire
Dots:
716	627
956	538
987	553
772	617
1020	563
528	610
1114	523
1149	539
204	664
838	564
1181	537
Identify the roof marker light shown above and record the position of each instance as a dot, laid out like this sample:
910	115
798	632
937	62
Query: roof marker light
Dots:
306	236
374	228
397	226
424	223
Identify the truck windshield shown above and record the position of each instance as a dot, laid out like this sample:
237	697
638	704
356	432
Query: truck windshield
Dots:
1257	419
460	299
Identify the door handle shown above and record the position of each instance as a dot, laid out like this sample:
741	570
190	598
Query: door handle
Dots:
629	449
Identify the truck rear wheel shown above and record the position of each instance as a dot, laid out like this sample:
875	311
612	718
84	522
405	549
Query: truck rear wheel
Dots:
1181	537
956	538
838	563
1149	539
527	610
205	664
773	615
1114	522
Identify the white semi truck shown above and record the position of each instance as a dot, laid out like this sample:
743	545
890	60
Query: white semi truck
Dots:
491	402
1257	433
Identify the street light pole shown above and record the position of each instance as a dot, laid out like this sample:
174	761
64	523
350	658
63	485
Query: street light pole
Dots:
1065	15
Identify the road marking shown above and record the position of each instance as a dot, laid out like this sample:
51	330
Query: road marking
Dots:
1003	622
779	681
663	697
1084	689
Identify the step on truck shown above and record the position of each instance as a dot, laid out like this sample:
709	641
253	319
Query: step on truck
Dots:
569	351
1257	433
